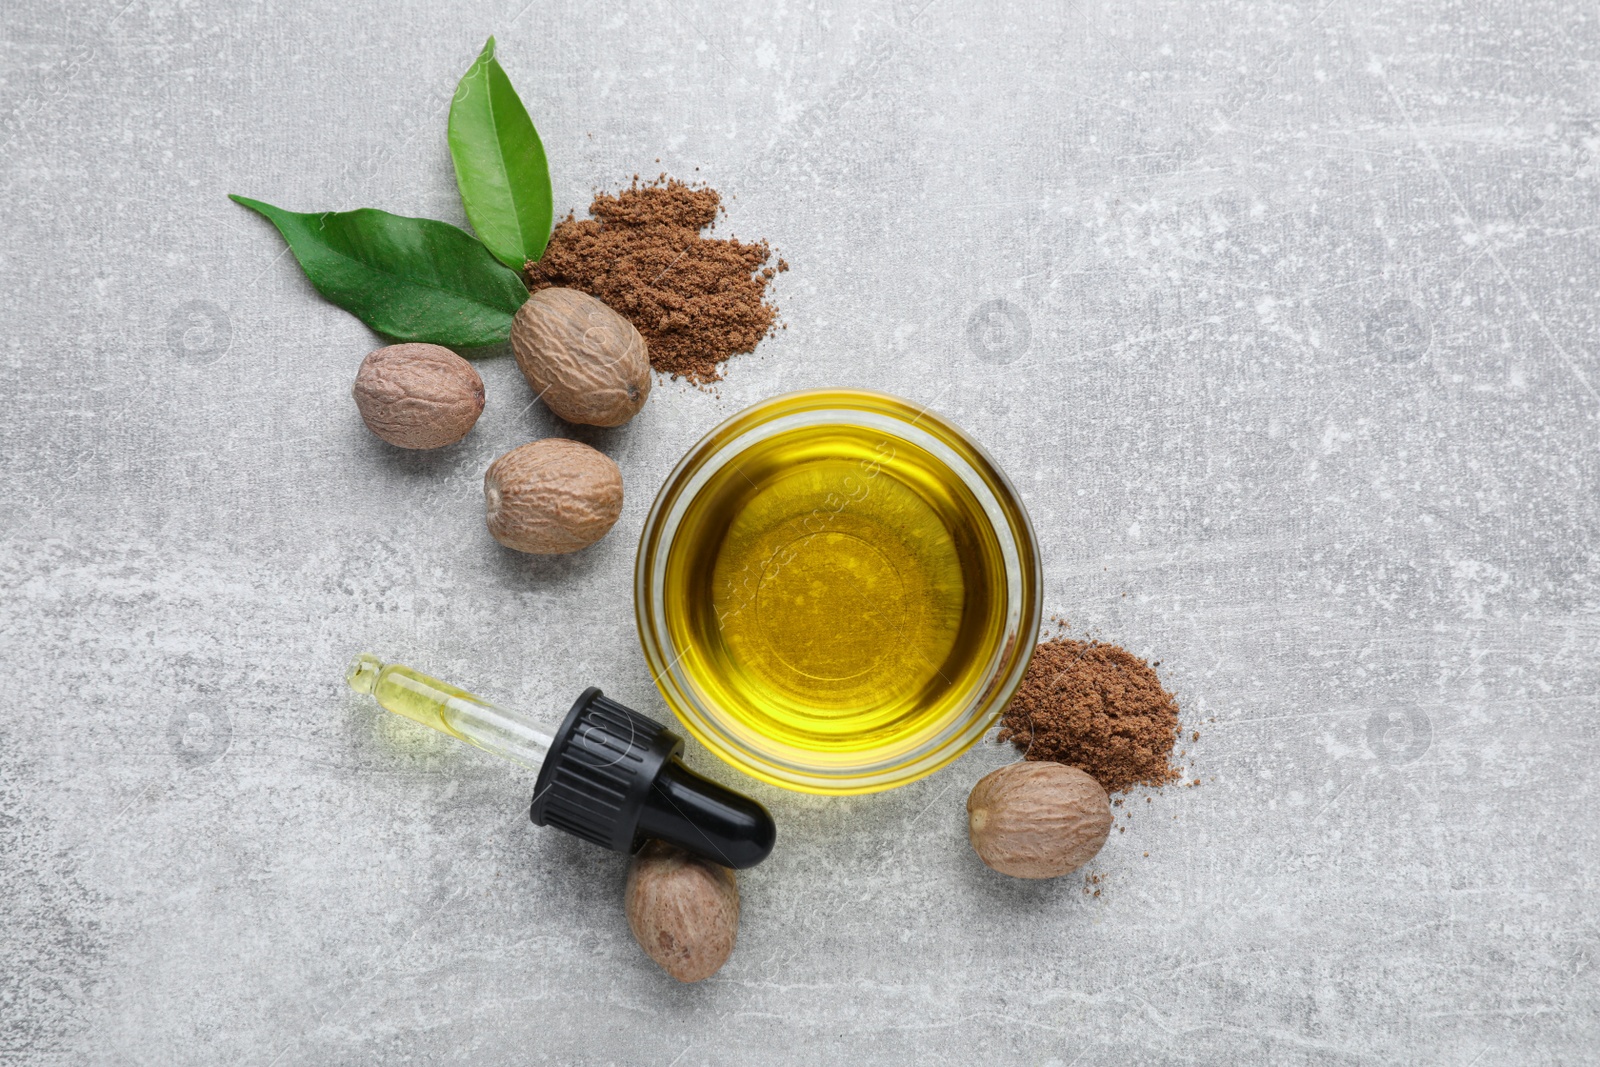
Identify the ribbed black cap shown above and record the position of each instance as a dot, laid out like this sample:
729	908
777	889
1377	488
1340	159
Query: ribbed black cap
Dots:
602	762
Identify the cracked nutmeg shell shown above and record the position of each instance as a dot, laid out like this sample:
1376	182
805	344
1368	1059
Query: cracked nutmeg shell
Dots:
551	496
683	910
586	362
418	395
1037	819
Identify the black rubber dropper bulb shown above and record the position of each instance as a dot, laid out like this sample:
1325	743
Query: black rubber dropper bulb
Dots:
608	775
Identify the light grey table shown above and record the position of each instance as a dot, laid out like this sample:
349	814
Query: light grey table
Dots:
1283	318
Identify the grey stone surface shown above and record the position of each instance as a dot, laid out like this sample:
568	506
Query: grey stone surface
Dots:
1282	315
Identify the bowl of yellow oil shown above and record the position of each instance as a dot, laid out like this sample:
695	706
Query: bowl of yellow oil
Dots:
837	591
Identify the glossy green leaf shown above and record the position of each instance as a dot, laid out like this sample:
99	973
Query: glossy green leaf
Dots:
500	165
409	279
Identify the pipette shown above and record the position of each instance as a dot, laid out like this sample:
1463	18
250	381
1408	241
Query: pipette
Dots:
607	774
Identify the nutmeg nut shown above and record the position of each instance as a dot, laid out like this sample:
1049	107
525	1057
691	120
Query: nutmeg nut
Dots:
683	910
551	496
418	395
1037	819
586	362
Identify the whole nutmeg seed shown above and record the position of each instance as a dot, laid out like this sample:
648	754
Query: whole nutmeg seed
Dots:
683	910
586	362
1037	819
417	395
551	496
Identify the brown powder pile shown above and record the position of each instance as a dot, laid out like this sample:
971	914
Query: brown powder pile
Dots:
1098	708
696	300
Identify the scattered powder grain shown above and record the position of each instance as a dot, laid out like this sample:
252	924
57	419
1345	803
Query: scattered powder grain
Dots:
696	300
1098	708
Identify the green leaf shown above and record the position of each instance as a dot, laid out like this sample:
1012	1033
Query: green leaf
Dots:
500	165
409	279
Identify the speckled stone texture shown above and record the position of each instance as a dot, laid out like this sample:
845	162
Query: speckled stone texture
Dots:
1283	317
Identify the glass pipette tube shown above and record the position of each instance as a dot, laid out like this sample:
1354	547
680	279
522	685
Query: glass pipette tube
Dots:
449	710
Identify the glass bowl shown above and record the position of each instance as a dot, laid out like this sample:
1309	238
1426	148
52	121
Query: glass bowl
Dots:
888	624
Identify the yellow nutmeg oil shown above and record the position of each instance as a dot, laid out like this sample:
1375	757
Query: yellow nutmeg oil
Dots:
836	589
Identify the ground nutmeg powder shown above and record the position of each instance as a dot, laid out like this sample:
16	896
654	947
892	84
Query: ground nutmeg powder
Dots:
1096	707
696	300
